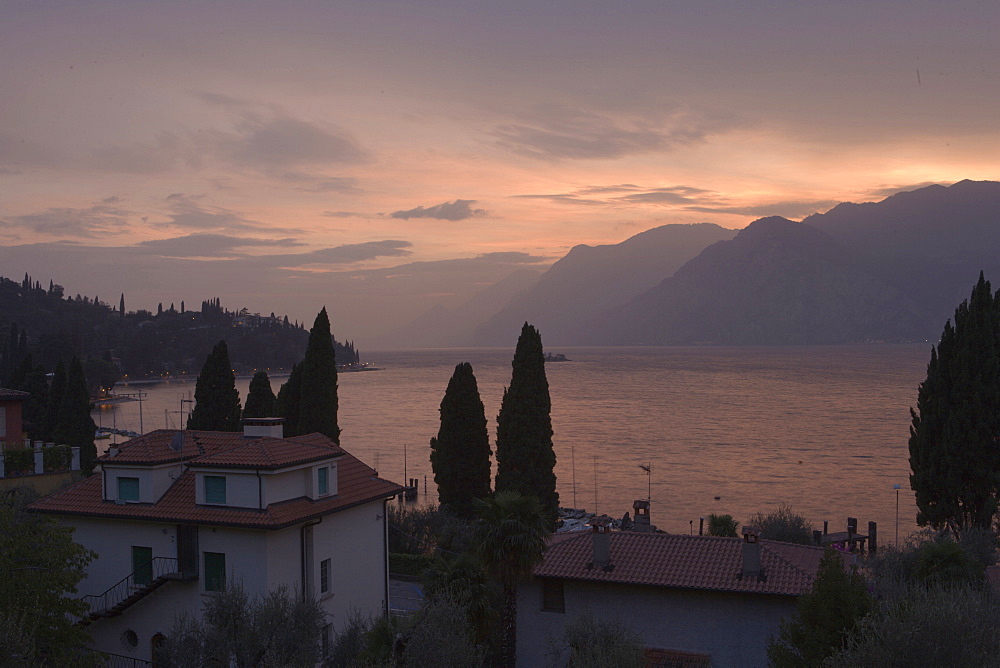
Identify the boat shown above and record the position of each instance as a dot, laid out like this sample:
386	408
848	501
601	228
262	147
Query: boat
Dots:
357	366
558	357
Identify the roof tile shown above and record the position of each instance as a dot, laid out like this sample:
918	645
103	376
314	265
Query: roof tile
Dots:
692	562
357	483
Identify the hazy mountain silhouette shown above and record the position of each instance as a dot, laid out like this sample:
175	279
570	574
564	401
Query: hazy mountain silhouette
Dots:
590	279
777	282
891	270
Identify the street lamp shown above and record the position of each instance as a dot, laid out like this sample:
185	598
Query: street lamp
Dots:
896	487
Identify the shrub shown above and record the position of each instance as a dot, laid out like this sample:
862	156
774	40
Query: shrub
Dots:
401	563
782	524
957	626
600	643
722	525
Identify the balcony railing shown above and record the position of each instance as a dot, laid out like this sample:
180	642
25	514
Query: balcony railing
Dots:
133	587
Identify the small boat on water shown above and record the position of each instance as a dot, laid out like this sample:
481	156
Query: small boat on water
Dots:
558	357
100	435
357	366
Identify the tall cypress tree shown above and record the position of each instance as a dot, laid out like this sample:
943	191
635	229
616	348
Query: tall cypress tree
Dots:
287	403
460	455
75	426
525	457
56	392
954	451
318	396
217	401
260	399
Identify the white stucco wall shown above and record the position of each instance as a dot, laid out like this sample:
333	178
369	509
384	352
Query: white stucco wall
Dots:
733	628
113	541
241	487
353	541
285	485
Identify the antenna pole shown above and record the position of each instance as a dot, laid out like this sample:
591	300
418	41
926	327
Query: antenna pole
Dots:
649	482
595	484
573	456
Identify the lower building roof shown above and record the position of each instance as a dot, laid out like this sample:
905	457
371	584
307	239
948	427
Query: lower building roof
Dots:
681	561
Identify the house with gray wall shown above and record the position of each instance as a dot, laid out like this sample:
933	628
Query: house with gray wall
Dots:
694	600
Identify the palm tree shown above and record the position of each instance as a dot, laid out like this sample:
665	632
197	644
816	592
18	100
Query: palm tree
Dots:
512	534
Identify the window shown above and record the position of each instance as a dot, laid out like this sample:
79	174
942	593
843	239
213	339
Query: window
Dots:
142	565
325	640
215	489
323	475
215	571
553	596
324	576
128	489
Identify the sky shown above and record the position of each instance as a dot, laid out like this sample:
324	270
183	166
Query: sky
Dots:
378	158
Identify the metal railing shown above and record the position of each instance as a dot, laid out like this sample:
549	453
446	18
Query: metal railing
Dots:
119	592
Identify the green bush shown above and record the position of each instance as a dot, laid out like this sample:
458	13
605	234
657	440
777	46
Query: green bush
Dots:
57	458
599	643
722	525
19	460
401	563
782	524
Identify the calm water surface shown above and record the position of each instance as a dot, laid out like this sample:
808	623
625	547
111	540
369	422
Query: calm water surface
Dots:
821	428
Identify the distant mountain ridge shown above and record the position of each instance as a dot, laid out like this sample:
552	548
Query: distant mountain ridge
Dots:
892	270
887	271
590	279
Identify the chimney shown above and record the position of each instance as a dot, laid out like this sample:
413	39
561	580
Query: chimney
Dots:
113	451
601	533
751	553
265	427
641	512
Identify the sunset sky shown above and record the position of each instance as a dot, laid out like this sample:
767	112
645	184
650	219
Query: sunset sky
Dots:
378	157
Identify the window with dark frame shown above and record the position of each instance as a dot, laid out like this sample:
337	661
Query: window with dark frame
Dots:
128	489
323	476
215	489
215	571
324	576
553	595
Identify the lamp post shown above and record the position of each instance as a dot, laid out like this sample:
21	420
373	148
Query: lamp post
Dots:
896	487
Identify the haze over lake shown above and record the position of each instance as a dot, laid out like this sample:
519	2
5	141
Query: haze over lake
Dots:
823	428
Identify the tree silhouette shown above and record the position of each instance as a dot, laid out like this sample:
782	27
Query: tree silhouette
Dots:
217	401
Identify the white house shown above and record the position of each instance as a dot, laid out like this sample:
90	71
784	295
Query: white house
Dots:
174	514
694	600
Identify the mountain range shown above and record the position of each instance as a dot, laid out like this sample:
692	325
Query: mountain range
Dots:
892	270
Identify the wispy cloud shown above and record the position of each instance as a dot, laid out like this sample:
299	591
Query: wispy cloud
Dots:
460	209
208	245
888	191
786	209
101	219
560	133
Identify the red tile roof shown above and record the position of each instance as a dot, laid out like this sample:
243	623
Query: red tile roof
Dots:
13	395
356	484
689	562
222	448
272	453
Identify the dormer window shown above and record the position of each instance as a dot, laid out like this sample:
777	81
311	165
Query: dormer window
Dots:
215	489
128	489
323	479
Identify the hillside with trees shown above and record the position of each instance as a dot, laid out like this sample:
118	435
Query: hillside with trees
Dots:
112	341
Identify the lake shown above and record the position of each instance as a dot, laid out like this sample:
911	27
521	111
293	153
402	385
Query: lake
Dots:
726	430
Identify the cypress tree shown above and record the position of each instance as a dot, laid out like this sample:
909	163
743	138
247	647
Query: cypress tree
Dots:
287	404
217	401
56	392
75	426
35	408
260	399
824	618
525	458
318	396
954	452
460	455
